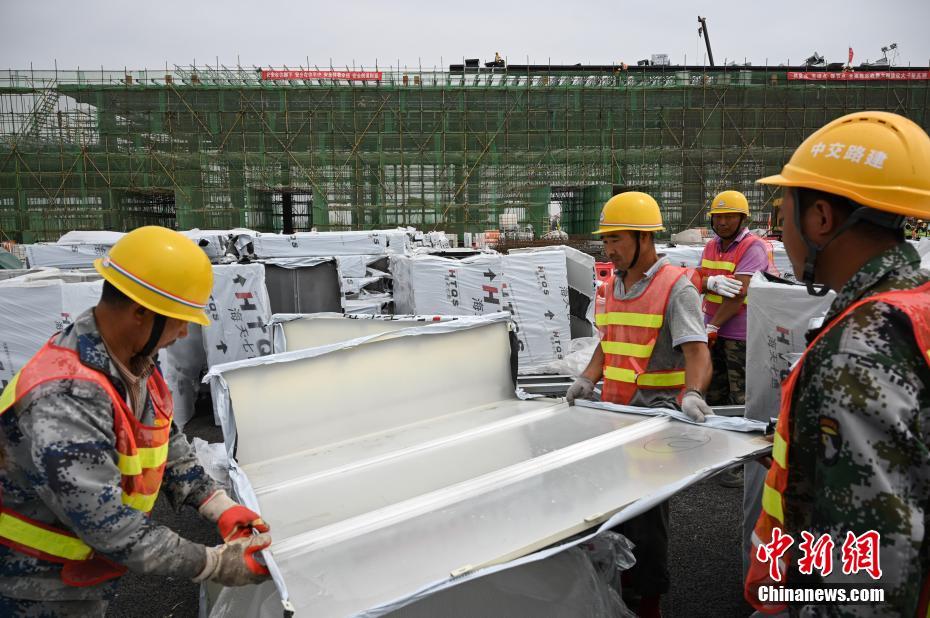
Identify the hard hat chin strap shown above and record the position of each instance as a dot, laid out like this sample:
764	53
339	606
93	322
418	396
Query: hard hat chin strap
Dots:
860	214
635	253
158	329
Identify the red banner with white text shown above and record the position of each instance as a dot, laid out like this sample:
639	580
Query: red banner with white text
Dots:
355	76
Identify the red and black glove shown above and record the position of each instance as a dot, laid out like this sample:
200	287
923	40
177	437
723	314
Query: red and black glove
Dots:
233	520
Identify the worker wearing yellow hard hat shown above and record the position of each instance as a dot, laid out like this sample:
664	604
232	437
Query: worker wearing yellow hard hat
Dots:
653	353
88	442
729	214
156	268
850	460
633	211
729	202
728	262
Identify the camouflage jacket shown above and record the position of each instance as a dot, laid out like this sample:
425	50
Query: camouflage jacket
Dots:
61	469
860	430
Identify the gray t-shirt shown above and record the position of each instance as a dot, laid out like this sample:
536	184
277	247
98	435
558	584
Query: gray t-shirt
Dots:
683	323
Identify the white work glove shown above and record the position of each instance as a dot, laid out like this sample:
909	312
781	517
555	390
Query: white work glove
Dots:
724	285
582	388
695	407
233	563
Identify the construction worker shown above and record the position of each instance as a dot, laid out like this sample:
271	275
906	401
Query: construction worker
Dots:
88	443
850	459
728	262
653	353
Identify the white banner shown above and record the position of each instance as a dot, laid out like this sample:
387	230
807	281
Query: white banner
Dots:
778	315
304	244
533	287
239	312
430	284
538	292
65	256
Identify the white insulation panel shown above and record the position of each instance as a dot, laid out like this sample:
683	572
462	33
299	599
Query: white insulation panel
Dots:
401	462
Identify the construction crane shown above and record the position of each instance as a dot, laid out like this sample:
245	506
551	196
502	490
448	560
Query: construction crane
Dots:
703	31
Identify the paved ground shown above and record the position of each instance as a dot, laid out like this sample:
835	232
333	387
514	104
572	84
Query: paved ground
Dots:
704	554
704	551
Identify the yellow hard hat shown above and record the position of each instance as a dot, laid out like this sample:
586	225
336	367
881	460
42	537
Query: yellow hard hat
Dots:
729	202
630	211
161	270
877	159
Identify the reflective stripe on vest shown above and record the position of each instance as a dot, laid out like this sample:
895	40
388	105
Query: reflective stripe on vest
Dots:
661	379
625	318
627	349
142	451
780	451
46	540
8	396
653	379
717	264
132	465
140	502
772	503
712	263
915	303
630	329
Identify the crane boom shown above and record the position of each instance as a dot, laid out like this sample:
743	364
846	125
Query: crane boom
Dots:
703	29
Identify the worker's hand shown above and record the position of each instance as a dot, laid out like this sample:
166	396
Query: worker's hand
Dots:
724	285
582	388
233	520
695	407
711	331
234	564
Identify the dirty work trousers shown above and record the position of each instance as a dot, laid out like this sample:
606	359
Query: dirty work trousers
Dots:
728	385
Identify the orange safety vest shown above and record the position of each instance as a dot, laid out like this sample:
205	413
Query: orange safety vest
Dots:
629	330
142	452
916	304
715	262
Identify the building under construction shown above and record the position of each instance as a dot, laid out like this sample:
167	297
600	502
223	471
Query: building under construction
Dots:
465	150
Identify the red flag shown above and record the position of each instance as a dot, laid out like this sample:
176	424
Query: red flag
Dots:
850	55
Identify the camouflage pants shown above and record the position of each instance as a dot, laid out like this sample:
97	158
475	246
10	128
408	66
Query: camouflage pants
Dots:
728	385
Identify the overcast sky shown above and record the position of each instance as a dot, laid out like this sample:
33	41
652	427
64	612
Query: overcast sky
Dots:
136	34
